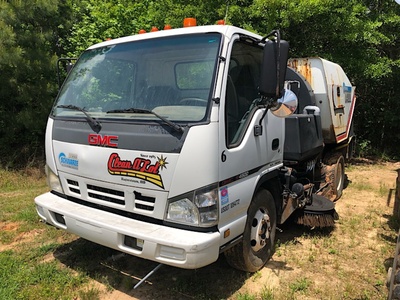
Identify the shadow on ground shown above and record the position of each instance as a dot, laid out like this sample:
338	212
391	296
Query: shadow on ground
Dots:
122	272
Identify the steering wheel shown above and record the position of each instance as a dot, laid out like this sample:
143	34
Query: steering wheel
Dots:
194	100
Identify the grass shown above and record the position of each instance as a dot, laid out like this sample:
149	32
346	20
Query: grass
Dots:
300	285
40	262
26	242
24	277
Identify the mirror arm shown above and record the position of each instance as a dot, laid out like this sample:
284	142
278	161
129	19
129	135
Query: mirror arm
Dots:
274	33
263	115
269	103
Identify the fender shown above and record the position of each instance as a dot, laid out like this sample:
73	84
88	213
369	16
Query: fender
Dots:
271	182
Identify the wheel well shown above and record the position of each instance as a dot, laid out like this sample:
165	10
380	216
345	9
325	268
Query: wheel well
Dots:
332	149
272	183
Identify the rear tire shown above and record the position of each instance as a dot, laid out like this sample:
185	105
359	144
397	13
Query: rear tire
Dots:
258	243
335	175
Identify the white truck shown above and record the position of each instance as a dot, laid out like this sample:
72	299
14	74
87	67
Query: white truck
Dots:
171	145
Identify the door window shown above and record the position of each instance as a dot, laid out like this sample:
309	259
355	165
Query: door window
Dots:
242	89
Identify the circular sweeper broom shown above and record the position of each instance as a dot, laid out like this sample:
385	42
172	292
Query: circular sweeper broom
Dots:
319	213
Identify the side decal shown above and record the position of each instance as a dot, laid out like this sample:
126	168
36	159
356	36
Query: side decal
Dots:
224	196
70	161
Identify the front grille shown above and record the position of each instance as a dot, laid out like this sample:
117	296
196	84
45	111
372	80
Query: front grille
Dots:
141	201
106	194
144	202
73	186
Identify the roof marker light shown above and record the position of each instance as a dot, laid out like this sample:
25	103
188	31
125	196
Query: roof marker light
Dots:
167	27
221	22
189	22
154	29
141	31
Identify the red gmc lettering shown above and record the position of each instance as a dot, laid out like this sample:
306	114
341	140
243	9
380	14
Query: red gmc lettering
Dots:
105	141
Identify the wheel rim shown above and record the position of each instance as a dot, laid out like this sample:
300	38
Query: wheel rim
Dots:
260	230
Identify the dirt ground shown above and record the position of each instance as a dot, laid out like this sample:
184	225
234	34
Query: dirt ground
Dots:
347	262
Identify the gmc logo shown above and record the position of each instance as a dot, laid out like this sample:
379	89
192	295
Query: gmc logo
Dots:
104	141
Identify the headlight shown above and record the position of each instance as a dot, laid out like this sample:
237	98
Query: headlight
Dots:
53	181
197	208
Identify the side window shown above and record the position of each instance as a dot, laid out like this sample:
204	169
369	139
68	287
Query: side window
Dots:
241	89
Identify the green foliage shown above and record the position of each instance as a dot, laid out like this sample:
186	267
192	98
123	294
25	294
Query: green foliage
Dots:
96	21
28	51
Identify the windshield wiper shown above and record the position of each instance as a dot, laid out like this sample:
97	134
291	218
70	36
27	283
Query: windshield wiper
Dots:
93	123
174	126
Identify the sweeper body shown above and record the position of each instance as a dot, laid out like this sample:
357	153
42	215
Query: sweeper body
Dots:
179	145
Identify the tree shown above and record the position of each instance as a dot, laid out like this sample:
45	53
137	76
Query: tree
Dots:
95	21
361	36
28	52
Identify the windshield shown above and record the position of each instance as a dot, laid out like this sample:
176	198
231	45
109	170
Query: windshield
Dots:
172	77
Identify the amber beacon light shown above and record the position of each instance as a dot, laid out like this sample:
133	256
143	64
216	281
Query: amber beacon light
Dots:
189	22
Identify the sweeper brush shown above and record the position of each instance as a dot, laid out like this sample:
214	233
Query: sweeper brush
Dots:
320	213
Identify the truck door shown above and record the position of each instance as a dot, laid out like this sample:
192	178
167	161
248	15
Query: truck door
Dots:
244	154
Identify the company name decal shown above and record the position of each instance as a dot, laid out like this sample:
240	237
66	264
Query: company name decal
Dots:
141	167
70	162
104	141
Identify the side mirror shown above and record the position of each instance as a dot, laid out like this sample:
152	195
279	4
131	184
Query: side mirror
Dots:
286	105
274	66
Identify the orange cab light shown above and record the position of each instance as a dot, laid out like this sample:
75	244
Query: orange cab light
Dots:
189	22
141	31
154	29
167	27
221	22
108	39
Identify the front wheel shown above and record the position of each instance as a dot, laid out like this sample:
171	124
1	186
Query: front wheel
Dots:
257	245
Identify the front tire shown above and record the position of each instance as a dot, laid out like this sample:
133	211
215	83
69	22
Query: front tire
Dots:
258	243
